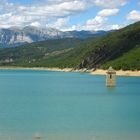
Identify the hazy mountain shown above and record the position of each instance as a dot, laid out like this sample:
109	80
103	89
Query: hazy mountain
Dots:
16	36
87	34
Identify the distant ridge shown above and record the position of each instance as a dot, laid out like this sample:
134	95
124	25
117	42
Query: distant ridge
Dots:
16	36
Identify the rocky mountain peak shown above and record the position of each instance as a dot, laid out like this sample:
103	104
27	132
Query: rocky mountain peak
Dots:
16	36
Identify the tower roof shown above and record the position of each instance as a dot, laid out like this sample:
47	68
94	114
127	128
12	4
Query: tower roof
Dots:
111	70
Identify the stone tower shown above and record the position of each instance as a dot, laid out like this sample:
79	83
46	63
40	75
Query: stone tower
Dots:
37	136
111	77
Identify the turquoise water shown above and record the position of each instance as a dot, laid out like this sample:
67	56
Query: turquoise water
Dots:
67	106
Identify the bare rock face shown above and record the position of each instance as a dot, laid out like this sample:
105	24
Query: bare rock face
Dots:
12	37
16	36
96	57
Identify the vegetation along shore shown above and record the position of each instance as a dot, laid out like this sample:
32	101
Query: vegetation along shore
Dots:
119	49
93	72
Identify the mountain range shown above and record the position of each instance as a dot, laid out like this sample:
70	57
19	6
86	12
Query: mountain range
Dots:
120	49
16	36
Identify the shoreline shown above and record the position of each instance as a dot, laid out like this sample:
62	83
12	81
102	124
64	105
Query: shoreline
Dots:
92	72
118	73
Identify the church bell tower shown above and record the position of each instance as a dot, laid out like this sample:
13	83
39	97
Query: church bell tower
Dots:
111	77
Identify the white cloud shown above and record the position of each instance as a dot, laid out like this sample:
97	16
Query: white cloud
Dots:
100	22
57	10
5	16
36	24
95	24
60	23
108	12
114	27
56	13
105	27
134	15
110	3
97	20
42	13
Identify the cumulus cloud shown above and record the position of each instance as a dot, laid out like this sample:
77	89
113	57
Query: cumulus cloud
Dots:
134	15
56	13
94	27
91	24
26	14
108	12
36	24
100	22
96	24
60	24
110	3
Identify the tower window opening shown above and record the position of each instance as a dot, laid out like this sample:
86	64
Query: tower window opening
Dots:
110	76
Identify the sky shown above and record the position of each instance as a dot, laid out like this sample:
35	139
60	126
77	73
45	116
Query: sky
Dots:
69	14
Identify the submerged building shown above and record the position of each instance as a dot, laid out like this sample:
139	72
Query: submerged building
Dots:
37	136
111	77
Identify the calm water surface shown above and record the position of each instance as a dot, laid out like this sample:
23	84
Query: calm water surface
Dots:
67	106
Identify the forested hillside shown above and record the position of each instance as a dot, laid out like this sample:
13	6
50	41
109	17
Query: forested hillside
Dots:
120	48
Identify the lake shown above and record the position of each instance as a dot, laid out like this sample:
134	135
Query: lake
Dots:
67	106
